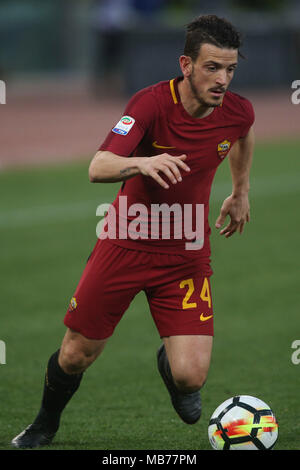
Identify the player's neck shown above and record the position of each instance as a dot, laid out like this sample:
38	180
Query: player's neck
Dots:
191	103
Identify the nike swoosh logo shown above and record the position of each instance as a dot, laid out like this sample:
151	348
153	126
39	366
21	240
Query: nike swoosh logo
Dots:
203	318
155	144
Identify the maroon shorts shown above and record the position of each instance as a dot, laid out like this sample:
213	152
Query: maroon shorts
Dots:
177	289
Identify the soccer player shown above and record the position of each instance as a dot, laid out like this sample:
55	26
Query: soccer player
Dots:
165	149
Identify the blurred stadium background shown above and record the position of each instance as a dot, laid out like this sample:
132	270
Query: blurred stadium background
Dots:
70	67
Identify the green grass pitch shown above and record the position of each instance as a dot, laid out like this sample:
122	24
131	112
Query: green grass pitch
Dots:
47	228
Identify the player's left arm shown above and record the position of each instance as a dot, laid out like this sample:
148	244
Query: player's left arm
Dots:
237	204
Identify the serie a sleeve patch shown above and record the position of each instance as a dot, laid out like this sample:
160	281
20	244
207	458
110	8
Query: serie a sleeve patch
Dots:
124	125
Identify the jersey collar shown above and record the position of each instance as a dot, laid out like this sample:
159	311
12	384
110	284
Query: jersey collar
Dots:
173	83
174	89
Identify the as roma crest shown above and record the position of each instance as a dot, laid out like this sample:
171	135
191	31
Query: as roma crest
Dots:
223	148
73	304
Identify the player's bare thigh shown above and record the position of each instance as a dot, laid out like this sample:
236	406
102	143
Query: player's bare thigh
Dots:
189	358
77	352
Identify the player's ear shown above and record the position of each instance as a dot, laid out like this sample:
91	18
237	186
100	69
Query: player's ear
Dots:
186	65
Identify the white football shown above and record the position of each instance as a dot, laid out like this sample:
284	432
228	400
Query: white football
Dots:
243	423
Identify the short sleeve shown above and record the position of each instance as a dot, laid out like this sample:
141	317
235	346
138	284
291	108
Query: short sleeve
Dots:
127	133
249	117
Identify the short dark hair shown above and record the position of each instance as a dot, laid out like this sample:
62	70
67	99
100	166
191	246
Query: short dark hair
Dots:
210	29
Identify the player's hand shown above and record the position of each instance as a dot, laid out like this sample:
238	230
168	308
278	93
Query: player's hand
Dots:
164	164
238	208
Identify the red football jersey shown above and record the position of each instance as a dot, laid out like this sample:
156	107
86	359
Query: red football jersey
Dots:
156	122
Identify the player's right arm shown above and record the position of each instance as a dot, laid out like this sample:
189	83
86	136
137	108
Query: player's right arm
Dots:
114	161
107	167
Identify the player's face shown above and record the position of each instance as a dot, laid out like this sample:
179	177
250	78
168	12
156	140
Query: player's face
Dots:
210	75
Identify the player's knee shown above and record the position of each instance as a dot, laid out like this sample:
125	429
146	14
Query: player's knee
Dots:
74	360
189	379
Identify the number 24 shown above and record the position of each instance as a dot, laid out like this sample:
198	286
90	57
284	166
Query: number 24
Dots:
204	295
